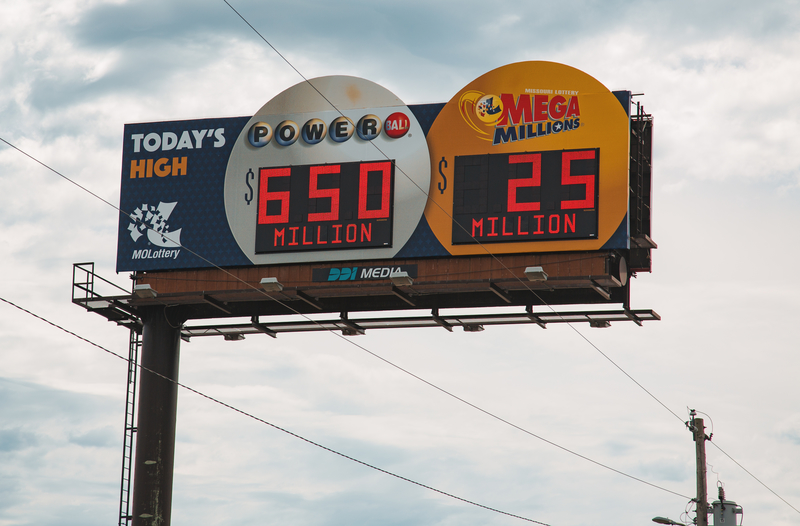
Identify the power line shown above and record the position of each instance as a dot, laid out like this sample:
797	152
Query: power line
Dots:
444	391
398	367
388	362
754	477
274	426
34	159
462	227
575	329
481	245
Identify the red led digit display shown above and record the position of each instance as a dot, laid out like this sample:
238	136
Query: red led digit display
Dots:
314	192
266	198
384	172
525	196
325	207
588	180
535	160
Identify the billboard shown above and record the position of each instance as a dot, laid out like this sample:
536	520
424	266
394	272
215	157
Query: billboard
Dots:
531	157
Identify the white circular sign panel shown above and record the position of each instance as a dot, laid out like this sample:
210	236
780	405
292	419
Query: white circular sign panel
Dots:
355	99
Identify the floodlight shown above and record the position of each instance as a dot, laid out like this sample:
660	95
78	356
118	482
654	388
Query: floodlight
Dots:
234	337
599	324
535	274
271	285
144	291
401	279
600	290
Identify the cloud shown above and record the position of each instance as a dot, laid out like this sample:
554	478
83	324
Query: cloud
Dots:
15	439
719	78
789	428
100	437
41	454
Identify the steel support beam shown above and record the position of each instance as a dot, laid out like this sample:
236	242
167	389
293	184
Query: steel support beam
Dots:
158	401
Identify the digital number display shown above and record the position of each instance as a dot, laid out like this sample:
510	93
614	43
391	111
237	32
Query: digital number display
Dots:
325	207
525	196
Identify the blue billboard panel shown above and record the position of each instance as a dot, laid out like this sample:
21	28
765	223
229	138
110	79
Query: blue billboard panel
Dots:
171	190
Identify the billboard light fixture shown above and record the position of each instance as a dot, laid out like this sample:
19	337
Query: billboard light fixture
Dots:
535	274
271	285
144	291
234	337
600	290
401	279
599	324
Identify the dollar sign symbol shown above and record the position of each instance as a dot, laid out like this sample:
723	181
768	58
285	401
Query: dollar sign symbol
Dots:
250	175
441	188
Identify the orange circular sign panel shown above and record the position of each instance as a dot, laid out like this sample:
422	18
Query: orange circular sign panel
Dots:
536	157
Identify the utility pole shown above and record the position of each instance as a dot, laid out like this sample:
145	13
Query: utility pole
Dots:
724	511
699	434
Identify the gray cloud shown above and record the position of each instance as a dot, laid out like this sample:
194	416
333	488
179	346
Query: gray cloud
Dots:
100	437
16	439
719	77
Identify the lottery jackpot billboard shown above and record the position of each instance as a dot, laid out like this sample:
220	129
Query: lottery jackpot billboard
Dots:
531	157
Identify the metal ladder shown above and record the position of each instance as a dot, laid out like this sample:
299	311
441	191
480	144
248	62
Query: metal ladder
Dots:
640	172
84	294
130	429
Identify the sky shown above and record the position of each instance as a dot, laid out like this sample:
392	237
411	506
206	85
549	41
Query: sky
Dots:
719	79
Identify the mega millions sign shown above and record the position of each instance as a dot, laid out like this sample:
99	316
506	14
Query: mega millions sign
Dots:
531	157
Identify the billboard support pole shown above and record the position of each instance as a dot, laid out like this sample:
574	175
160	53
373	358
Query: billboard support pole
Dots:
158	400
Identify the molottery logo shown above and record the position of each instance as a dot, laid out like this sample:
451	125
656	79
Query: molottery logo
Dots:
341	129
511	117
151	221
